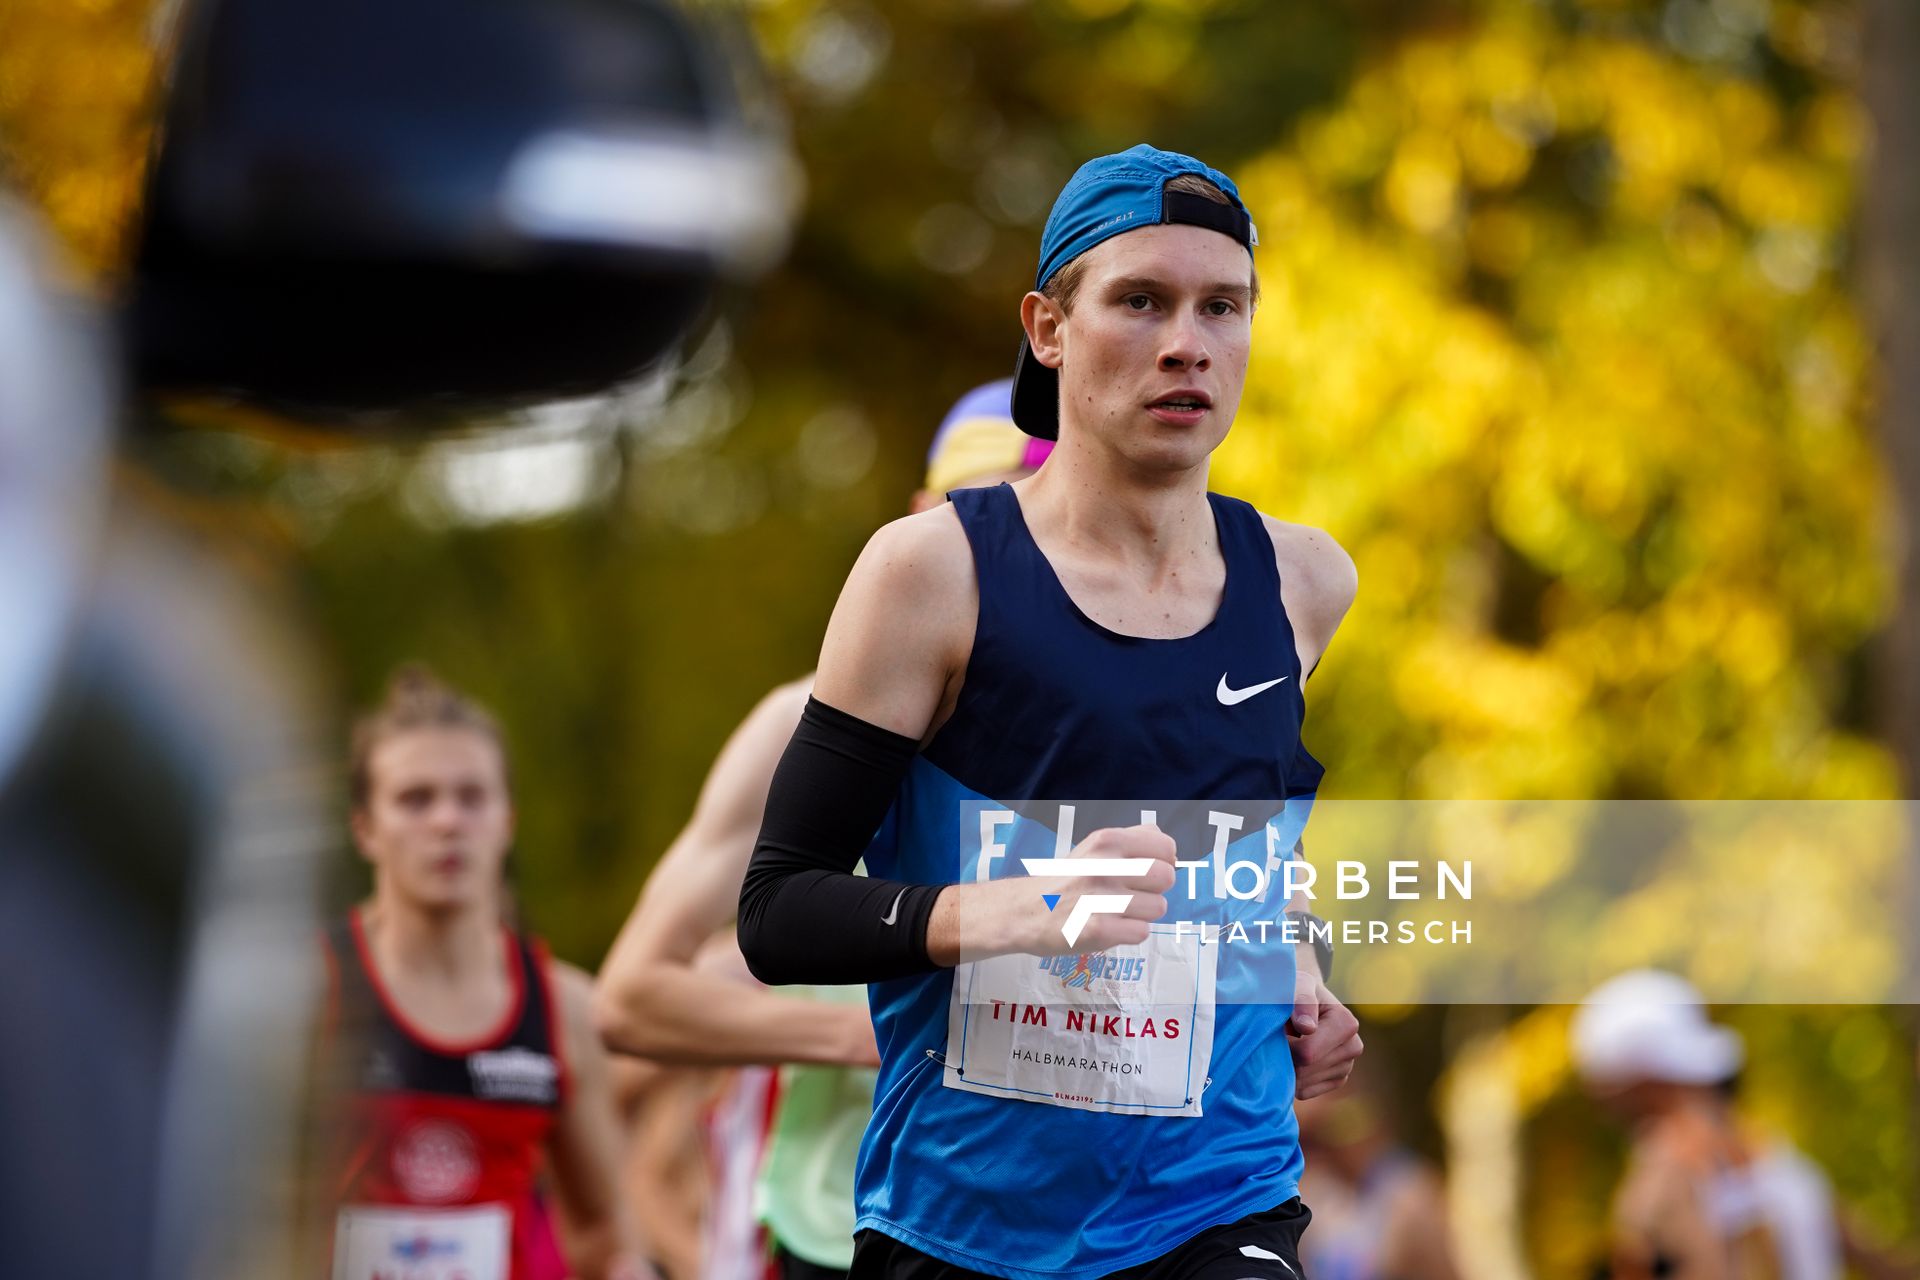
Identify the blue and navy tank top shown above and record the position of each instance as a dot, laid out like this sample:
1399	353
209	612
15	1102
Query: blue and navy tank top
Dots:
1032	1137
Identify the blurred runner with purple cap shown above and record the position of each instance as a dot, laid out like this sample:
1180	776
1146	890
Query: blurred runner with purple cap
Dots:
978	445
655	1000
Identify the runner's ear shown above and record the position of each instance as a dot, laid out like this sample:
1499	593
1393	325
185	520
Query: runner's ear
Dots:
1042	317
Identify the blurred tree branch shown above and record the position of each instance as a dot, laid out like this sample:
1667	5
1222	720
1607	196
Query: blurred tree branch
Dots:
1892	219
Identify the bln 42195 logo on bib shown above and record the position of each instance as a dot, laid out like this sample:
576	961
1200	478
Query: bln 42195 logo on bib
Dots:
1089	967
1127	1030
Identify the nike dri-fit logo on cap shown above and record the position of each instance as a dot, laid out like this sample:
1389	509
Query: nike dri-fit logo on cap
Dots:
1230	697
893	912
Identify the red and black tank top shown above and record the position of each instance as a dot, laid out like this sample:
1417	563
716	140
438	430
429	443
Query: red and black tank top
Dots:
455	1131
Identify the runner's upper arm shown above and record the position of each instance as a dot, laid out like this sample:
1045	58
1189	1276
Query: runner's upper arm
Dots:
589	1074
585	1141
695	888
656	994
893	657
900	633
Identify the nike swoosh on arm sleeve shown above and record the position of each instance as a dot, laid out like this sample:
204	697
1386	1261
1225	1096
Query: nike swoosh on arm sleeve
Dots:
804	915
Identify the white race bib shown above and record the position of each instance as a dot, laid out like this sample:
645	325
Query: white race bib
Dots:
379	1243
1128	1030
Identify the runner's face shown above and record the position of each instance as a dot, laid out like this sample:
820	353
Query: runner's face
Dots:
1632	1100
1164	314
438	820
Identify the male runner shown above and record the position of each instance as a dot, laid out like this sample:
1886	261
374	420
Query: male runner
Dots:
1105	636
461	1056
653	999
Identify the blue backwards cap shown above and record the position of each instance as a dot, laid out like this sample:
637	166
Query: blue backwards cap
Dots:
1107	197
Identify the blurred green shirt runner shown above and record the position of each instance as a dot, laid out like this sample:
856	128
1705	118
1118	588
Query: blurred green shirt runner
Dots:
804	1194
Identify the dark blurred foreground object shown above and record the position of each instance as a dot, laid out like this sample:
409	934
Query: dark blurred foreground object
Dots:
399	204
159	837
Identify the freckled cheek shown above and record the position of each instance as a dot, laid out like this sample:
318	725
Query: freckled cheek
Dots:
1105	352
1230	374
1234	357
1135	350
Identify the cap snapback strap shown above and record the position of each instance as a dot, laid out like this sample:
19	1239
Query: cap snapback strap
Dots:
1198	211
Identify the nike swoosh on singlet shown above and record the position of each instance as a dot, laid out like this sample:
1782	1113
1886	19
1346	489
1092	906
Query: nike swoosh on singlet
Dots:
893	912
1230	697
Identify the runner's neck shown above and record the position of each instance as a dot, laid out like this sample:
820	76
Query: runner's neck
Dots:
441	946
1149	522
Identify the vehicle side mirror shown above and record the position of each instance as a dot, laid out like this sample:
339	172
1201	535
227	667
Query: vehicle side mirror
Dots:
444	204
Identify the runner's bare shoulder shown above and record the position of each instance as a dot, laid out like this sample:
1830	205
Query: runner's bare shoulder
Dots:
1318	582
920	562
903	626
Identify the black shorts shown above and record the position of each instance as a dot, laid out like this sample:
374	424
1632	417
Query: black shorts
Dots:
792	1268
1260	1246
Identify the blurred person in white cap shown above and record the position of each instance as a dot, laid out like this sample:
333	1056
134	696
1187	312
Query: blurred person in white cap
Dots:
1703	1197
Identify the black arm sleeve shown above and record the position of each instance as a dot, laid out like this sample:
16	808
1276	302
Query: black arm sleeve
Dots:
804	915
